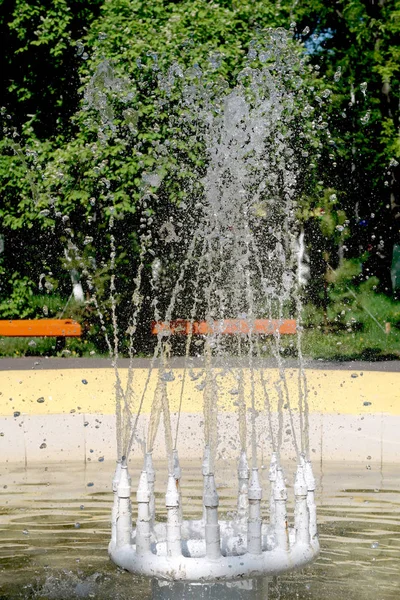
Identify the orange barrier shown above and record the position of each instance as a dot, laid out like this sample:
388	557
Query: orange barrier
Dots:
40	328
225	326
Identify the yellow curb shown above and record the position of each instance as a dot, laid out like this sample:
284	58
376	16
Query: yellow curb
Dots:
65	391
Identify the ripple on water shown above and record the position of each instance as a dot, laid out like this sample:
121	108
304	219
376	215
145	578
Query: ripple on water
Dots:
359	531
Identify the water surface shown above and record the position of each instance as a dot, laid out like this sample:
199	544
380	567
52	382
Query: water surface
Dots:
54	532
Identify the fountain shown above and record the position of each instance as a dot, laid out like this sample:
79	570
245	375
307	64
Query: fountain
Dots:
219	227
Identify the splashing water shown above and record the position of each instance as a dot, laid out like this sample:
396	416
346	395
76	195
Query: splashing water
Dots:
219	228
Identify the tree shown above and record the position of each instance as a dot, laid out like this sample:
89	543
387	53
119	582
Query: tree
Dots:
355	45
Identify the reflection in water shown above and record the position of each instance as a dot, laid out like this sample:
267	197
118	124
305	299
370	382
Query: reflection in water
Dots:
54	532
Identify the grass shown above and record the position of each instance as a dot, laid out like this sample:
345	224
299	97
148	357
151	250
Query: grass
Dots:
353	328
370	344
18	347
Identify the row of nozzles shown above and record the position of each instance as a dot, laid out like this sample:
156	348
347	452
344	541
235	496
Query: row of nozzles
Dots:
249	507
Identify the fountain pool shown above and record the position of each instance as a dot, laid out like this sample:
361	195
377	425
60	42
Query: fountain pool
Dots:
43	555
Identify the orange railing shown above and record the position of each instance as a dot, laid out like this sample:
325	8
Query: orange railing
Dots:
225	326
40	328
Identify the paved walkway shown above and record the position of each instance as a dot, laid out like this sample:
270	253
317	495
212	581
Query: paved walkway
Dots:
40	363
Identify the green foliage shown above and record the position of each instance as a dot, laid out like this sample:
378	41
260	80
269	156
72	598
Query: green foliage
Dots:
18	304
65	163
38	61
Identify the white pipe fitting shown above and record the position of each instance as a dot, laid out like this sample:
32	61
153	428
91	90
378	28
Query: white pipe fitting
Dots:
312	508
254	522
124	516
205	470
281	522
151	478
143	524
301	514
272	478
173	518
114	510
177	475
243	480
202	569
212	529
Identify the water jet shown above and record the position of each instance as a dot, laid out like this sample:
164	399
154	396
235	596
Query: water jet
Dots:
226	272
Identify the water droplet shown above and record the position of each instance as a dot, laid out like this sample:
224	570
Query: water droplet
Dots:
43	446
375	545
17	413
40	400
77	525
364	120
84	381
338	74
168	376
90	484
44	213
367	403
363	87
101	459
25	532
